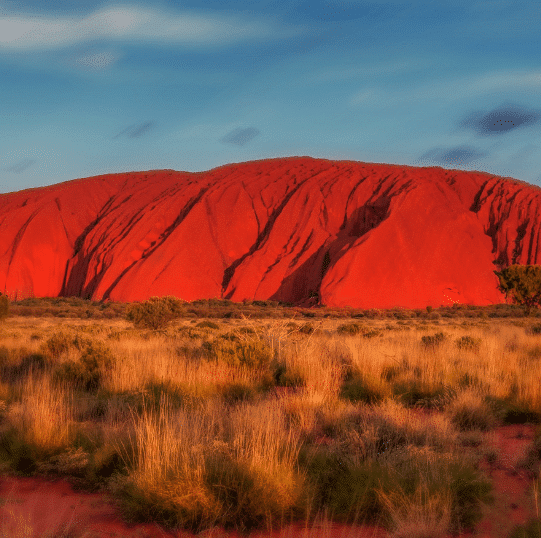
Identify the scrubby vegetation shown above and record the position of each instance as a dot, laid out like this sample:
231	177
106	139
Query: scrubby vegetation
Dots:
155	313
247	421
4	306
522	284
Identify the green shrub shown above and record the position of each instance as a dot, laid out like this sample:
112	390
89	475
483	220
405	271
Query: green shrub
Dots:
522	284
4	306
349	329
345	489
532	529
371	334
232	314
207	325
468	343
57	344
252	353
433	340
355	389
237	392
534	329
60	342
388	373
307	328
155	313
20	456
86	373
287	377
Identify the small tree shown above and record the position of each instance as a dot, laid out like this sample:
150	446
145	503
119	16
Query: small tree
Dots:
4	306
155	313
522	284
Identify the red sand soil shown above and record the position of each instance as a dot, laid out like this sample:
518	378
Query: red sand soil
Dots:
46	505
292	229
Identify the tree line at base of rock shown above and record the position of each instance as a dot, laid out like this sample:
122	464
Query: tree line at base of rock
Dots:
520	283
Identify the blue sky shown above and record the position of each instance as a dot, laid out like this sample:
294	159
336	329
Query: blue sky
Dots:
89	87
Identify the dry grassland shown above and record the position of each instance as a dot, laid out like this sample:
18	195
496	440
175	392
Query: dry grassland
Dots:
249	423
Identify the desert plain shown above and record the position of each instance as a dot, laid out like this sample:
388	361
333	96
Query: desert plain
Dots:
271	420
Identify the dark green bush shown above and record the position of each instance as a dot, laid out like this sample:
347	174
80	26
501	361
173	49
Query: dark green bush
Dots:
207	325
468	343
371	334
349	329
355	389
155	313
307	328
522	284
433	340
534	329
532	529
252	353
4	306
388	373
287	377
60	342
237	392
86	373
20	456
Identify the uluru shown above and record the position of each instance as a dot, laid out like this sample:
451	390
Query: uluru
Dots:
298	229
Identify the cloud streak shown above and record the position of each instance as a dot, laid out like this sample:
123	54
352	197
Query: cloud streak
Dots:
134	24
457	156
21	166
135	131
461	87
240	136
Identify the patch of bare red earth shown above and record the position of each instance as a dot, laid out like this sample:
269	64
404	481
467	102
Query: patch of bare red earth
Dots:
47	505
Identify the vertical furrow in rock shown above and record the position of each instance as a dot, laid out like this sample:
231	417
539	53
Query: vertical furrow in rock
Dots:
261	239
163	237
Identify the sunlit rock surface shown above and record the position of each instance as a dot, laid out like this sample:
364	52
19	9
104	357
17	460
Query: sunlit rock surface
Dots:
292	229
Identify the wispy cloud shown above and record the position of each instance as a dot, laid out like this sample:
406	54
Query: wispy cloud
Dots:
21	166
388	68
462	87
130	23
135	131
457	156
240	136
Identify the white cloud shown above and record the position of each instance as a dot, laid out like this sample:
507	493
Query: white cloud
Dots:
460	88
125	22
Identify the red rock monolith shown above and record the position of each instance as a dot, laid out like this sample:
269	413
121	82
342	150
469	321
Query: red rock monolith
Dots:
296	229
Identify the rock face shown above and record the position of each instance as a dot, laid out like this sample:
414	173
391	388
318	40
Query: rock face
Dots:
288	229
